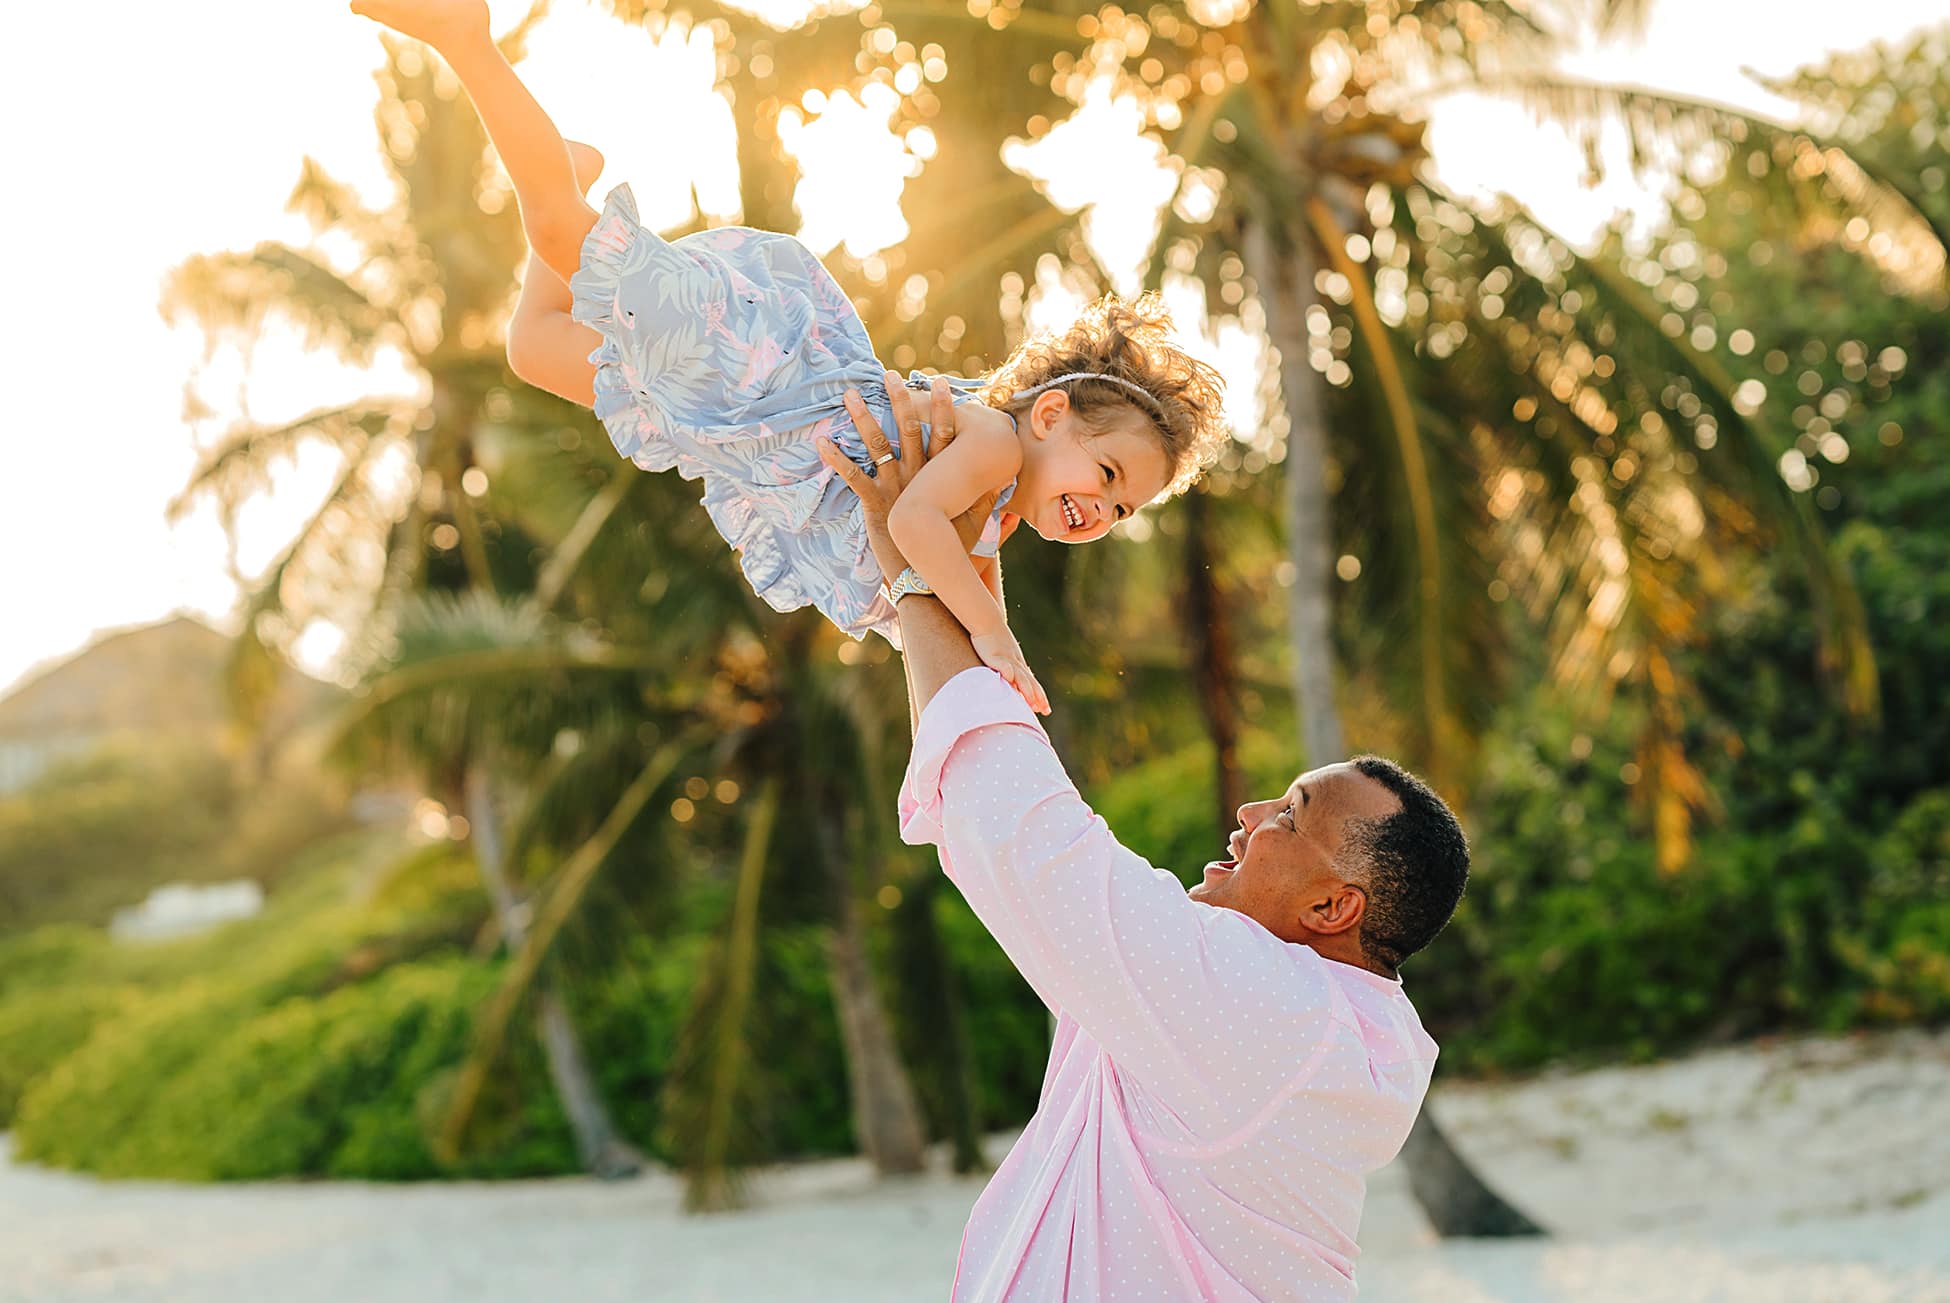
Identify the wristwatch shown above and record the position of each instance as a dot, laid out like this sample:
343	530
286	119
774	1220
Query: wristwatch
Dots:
907	583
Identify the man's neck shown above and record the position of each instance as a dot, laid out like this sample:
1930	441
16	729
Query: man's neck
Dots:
1343	951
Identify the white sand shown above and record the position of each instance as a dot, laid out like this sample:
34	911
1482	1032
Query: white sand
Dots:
1810	1171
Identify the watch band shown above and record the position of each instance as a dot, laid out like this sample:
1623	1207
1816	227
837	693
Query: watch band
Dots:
906	584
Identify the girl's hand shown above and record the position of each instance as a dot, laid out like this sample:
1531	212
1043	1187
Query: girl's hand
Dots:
1001	653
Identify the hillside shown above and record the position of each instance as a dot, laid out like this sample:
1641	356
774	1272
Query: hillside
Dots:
160	678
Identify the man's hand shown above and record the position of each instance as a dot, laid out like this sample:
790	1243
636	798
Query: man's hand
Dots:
877	492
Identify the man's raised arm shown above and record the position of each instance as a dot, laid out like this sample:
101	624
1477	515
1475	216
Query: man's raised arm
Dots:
934	646
1203	1006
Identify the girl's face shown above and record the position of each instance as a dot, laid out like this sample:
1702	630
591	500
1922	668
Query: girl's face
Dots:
1075	484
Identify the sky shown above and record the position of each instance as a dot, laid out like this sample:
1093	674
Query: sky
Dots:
173	130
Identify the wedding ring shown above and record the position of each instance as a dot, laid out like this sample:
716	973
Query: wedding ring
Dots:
883	459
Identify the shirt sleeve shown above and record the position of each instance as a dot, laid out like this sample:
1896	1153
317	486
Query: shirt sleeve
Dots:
1202	1006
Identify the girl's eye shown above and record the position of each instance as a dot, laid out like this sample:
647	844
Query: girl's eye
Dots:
1109	474
1122	511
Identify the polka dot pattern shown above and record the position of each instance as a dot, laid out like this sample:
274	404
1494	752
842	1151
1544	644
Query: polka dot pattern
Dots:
1215	1097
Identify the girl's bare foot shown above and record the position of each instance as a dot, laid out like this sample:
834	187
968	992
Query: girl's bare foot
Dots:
439	23
588	163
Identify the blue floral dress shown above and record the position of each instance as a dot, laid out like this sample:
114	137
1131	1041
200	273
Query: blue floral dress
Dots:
725	356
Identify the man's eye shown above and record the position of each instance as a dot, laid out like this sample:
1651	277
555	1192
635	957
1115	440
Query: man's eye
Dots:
1287	814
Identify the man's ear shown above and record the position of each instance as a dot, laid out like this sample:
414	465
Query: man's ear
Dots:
1338	911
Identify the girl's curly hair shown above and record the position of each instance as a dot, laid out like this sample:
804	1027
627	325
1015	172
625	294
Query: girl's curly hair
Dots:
1128	340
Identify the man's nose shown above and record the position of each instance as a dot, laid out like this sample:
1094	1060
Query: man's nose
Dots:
1249	814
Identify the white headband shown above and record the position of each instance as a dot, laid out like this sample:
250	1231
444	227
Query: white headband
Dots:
1139	390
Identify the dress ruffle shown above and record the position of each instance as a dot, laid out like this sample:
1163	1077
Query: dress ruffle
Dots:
725	356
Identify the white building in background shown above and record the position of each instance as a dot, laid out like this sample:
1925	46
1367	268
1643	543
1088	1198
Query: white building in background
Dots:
182	909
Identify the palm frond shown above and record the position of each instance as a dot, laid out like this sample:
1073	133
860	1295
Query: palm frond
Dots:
513	43
239	466
568	554
477	671
1754	447
251	671
231	295
1665	126
1623	17
330	204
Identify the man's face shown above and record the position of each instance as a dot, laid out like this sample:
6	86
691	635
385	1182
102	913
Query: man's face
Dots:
1281	872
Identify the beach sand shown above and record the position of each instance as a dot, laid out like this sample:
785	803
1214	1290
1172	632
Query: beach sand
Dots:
1794	1171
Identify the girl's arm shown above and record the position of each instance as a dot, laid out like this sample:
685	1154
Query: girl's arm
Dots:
921	523
990	569
974	465
992	572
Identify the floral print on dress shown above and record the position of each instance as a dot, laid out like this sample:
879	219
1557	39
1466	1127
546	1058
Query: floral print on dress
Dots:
726	355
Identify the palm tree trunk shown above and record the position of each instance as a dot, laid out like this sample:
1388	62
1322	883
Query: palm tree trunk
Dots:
930	1001
712	1110
601	1147
1455	1199
603	1151
1208	627
886	1115
1288	289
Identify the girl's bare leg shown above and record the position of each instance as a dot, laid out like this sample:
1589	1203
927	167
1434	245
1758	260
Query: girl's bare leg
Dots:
553	211
546	347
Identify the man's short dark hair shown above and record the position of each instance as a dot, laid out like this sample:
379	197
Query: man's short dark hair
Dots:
1414	863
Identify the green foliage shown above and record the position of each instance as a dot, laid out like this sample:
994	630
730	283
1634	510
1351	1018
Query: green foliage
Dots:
1007	1026
1162	808
93	1019
39	1029
320	1040
103	831
208	1083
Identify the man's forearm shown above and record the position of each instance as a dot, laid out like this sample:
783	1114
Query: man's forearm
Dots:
934	649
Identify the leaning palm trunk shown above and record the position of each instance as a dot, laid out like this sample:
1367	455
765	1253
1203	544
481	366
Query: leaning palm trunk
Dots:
1455	1200
931	1002
1287	280
1208	627
602	1149
886	1115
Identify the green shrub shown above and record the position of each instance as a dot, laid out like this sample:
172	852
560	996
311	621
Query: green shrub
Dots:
40	1028
45	956
633	1017
197	1085
103	831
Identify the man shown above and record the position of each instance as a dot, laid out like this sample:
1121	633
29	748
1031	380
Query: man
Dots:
1230	1063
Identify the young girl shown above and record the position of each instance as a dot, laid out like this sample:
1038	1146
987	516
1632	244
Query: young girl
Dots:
730	355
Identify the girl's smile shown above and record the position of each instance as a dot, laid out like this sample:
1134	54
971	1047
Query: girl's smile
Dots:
1075	485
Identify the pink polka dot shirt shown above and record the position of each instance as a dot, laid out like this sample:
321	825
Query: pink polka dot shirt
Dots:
1215	1097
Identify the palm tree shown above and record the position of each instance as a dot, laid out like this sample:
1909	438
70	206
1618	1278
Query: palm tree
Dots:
1379	291
430	281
